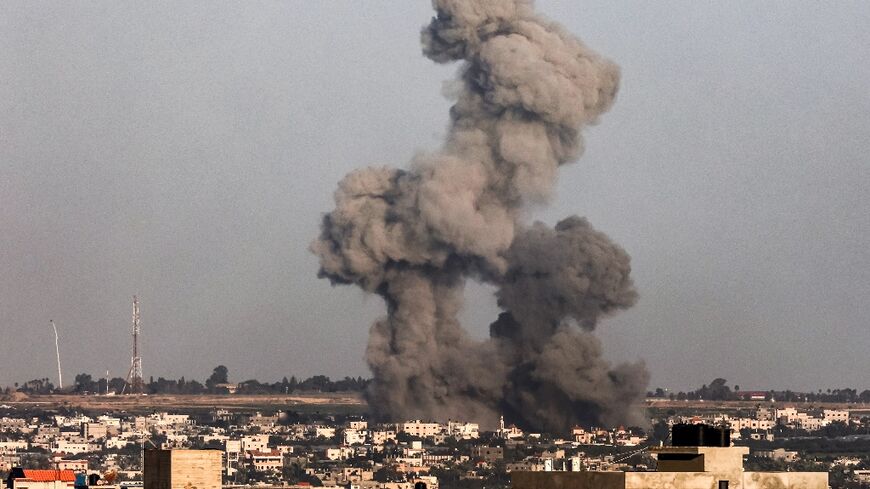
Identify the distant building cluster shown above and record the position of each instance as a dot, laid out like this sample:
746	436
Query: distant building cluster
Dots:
282	448
270	448
762	422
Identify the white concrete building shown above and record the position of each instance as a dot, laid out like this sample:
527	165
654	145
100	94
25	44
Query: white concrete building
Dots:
835	416
354	437
463	431
69	448
419	429
338	453
255	443
324	431
379	437
232	453
13	446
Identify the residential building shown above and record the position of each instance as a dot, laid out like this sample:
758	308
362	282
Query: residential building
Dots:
353	436
780	454
835	416
74	465
487	454
271	461
419	428
232	454
327	432
40	479
94	431
379	437
70	448
463	431
255	443
12	446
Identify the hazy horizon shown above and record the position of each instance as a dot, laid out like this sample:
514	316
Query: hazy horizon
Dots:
185	153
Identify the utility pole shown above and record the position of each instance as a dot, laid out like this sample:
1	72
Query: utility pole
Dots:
57	350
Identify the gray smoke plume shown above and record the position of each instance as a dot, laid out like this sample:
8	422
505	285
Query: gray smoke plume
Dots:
526	89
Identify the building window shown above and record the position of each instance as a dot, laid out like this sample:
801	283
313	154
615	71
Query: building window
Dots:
723	484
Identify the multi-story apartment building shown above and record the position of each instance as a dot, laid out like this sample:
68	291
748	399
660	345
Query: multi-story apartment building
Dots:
419	428
232	454
69	448
12	424
12	446
835	416
94	431
268	461
255	443
379	437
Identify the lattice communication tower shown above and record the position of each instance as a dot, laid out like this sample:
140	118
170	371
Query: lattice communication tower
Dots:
134	377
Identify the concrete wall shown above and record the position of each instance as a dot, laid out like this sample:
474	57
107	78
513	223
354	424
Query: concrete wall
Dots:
673	480
682	462
567	480
710	480
19	484
668	480
182	469
722	459
785	480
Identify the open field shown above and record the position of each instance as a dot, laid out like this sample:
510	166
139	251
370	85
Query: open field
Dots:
339	402
333	403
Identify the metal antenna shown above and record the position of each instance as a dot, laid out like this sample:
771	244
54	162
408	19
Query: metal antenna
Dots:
57	350
134	377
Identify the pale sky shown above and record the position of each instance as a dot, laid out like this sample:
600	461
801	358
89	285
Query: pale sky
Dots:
185	152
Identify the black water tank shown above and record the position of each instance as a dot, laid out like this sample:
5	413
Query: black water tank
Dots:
700	435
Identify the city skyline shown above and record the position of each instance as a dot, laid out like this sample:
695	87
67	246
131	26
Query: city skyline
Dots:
185	155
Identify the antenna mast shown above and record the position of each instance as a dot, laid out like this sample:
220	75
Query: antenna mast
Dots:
134	378
57	350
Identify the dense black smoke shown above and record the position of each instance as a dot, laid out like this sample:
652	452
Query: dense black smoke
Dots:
414	237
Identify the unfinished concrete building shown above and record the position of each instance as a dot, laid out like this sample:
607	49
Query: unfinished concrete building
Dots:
182	469
700	458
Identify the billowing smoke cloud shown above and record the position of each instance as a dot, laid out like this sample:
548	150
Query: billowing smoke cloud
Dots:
526	89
